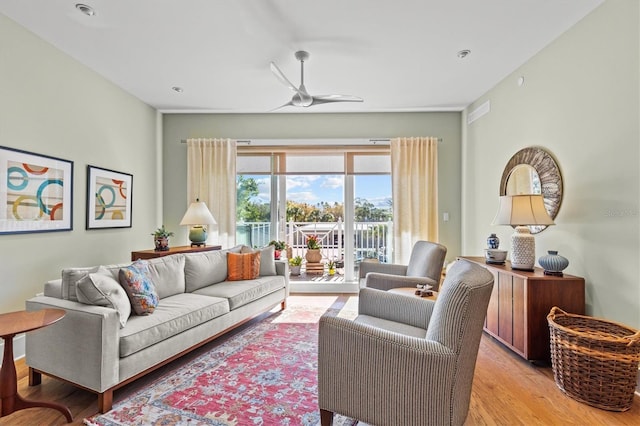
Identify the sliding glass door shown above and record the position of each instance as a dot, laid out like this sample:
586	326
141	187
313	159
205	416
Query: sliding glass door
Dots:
342	198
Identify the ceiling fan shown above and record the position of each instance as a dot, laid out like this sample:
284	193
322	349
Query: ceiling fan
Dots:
302	98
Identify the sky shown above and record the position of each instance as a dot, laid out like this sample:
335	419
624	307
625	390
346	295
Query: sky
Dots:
313	189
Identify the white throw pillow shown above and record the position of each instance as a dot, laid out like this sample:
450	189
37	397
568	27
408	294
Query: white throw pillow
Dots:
101	289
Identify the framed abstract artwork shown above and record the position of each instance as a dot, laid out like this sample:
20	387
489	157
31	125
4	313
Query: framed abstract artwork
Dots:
108	198
36	192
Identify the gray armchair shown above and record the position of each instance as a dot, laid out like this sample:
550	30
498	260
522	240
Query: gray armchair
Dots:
425	267
405	361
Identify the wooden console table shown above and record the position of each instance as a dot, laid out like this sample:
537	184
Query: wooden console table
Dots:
13	323
520	302
152	254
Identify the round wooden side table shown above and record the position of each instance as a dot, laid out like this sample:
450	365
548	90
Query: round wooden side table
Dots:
13	323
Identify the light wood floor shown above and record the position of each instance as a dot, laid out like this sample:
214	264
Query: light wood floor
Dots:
507	390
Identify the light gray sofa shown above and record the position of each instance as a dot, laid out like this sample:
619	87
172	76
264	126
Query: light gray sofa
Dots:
91	349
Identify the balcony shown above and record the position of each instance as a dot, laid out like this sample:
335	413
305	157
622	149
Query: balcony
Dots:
369	241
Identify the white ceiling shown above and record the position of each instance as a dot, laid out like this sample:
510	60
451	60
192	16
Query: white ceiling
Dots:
397	55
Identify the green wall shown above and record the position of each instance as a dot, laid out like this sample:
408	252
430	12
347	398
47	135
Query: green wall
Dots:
50	104
580	101
445	125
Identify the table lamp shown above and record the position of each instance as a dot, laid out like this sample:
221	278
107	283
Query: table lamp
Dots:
520	211
198	216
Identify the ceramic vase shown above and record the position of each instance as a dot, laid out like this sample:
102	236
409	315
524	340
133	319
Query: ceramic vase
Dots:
313	255
295	270
493	242
553	263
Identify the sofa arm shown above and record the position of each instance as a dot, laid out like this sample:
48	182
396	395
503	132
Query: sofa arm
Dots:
282	268
83	347
387	281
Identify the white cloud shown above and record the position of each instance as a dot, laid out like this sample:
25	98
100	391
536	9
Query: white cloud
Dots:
301	181
332	182
302	197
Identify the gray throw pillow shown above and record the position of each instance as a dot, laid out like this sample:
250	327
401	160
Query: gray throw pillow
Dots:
267	259
101	289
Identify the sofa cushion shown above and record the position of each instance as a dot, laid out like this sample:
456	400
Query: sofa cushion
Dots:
167	274
204	268
240	293
172	316
243	266
70	277
139	287
101	289
267	259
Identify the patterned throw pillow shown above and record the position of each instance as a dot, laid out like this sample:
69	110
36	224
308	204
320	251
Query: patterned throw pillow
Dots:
139	287
244	266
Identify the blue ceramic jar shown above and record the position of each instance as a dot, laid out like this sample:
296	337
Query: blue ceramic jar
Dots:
553	263
493	242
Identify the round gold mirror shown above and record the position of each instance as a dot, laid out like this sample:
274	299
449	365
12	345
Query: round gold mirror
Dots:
534	171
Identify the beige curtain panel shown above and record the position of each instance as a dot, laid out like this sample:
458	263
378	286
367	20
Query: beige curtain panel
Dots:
414	181
211	177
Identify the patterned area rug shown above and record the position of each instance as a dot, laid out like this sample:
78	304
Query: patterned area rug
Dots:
264	375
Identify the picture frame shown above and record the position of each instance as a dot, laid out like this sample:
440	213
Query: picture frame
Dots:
109	198
36	192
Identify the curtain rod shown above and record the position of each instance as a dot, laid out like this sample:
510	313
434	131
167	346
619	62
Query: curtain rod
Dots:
374	141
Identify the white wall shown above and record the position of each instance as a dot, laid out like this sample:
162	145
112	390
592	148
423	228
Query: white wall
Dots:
50	104
445	125
580	101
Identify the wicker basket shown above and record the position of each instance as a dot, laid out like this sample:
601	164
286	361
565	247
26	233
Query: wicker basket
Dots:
594	361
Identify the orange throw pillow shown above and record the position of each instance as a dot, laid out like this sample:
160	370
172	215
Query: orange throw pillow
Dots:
243	266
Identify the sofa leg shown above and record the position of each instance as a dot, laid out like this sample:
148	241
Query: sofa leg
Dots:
326	417
284	304
35	377
105	401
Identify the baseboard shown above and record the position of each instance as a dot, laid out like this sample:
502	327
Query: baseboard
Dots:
18	347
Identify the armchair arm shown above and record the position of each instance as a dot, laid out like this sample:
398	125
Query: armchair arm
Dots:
359	366
83	347
385	268
387	282
395	307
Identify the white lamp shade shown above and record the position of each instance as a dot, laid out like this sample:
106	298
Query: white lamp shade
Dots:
198	214
516	210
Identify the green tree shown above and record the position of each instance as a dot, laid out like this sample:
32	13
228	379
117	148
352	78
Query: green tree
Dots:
247	208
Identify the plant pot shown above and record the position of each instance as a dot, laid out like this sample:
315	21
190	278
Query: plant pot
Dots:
162	243
276	254
313	255
332	271
295	270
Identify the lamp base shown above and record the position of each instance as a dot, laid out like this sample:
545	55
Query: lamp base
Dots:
523	249
198	236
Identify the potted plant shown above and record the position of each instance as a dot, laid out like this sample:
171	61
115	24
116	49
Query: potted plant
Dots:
279	246
331	265
161	238
313	254
295	263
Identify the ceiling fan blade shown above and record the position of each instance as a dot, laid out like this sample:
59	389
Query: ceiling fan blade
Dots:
323	99
280	75
290	103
